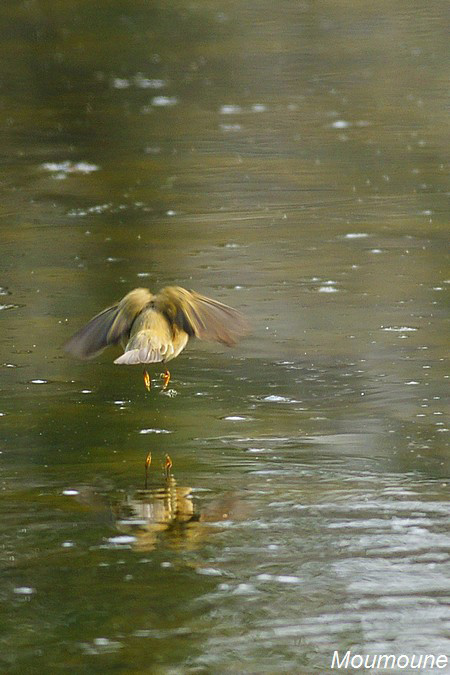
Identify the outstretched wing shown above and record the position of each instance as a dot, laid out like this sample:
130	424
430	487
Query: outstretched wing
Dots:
203	317
93	337
108	327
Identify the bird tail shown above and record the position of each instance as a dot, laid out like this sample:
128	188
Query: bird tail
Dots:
143	355
145	347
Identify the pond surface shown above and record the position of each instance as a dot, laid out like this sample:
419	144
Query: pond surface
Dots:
288	159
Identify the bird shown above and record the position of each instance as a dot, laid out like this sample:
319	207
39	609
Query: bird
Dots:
155	328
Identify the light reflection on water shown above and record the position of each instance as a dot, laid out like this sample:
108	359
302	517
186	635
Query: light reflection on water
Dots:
289	161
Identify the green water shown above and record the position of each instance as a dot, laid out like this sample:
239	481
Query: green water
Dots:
291	160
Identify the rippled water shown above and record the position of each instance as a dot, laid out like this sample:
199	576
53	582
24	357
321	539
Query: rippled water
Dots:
289	160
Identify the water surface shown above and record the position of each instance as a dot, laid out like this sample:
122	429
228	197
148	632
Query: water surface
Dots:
289	160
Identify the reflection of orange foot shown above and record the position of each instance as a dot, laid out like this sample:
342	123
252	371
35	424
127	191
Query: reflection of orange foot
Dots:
148	461
165	376
147	381
167	466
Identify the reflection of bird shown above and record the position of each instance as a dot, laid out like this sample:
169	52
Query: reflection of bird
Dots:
170	509
147	513
154	328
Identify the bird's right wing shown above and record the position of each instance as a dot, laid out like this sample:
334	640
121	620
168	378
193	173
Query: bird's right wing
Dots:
201	316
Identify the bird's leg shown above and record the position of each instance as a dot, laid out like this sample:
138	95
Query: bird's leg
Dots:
167	466
165	376
148	461
147	381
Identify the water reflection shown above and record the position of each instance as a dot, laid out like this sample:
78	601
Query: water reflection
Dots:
167	514
167	508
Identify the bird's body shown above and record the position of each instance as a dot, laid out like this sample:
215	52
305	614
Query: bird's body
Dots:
153	328
153	339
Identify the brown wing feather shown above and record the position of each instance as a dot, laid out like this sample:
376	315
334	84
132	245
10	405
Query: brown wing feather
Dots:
108	327
93	337
203	317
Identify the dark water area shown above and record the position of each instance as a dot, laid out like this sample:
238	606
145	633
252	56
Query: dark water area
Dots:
288	159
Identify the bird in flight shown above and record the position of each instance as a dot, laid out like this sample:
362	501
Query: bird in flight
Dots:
154	328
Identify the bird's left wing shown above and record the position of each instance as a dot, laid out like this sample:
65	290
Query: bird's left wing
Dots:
108	327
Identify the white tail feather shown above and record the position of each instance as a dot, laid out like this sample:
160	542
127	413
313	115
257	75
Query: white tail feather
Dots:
135	356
